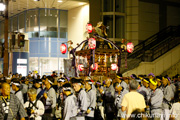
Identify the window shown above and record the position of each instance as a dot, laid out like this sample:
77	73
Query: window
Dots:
120	6
108	6
108	21
114	18
63	24
21	23
119	26
32	22
14	25
48	23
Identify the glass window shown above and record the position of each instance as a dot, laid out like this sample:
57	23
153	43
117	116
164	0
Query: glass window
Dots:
119	24
120	5
47	65
48	22
108	6
108	21
14	26
33	64
63	24
32	21
21	23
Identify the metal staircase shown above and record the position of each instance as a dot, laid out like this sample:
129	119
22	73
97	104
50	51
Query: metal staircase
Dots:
153	47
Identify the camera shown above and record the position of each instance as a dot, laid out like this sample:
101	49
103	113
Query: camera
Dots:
28	111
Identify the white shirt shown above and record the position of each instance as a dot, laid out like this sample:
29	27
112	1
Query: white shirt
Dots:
132	101
175	110
38	110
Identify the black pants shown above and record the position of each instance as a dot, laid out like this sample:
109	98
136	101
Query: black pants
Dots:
47	116
109	116
89	118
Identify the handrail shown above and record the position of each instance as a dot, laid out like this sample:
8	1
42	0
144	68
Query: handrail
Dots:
151	41
156	45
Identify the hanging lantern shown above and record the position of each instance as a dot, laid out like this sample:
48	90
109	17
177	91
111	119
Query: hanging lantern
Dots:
114	66
130	47
92	43
89	28
95	67
63	48
80	67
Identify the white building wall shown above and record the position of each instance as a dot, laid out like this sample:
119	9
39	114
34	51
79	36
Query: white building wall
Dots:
77	20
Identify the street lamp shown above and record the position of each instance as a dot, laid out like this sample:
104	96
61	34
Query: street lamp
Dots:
2	6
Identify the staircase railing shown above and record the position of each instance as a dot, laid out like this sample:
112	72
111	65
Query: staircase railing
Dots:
164	35
155	46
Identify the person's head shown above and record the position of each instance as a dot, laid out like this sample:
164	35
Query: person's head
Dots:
13	76
133	85
133	76
8	80
118	87
151	76
49	81
165	81
15	84
152	84
98	84
20	76
5	89
61	74
43	77
126	80
17	75
66	89
54	72
88	84
38	76
76	82
141	77
23	79
145	82
108	81
37	83
118	77
60	82
158	79
32	93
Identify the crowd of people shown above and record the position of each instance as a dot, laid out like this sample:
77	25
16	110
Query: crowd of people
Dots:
58	97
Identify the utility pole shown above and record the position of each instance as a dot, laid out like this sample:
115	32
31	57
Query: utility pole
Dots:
6	58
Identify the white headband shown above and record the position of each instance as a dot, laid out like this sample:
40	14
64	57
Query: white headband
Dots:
17	84
67	88
61	80
90	83
50	82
